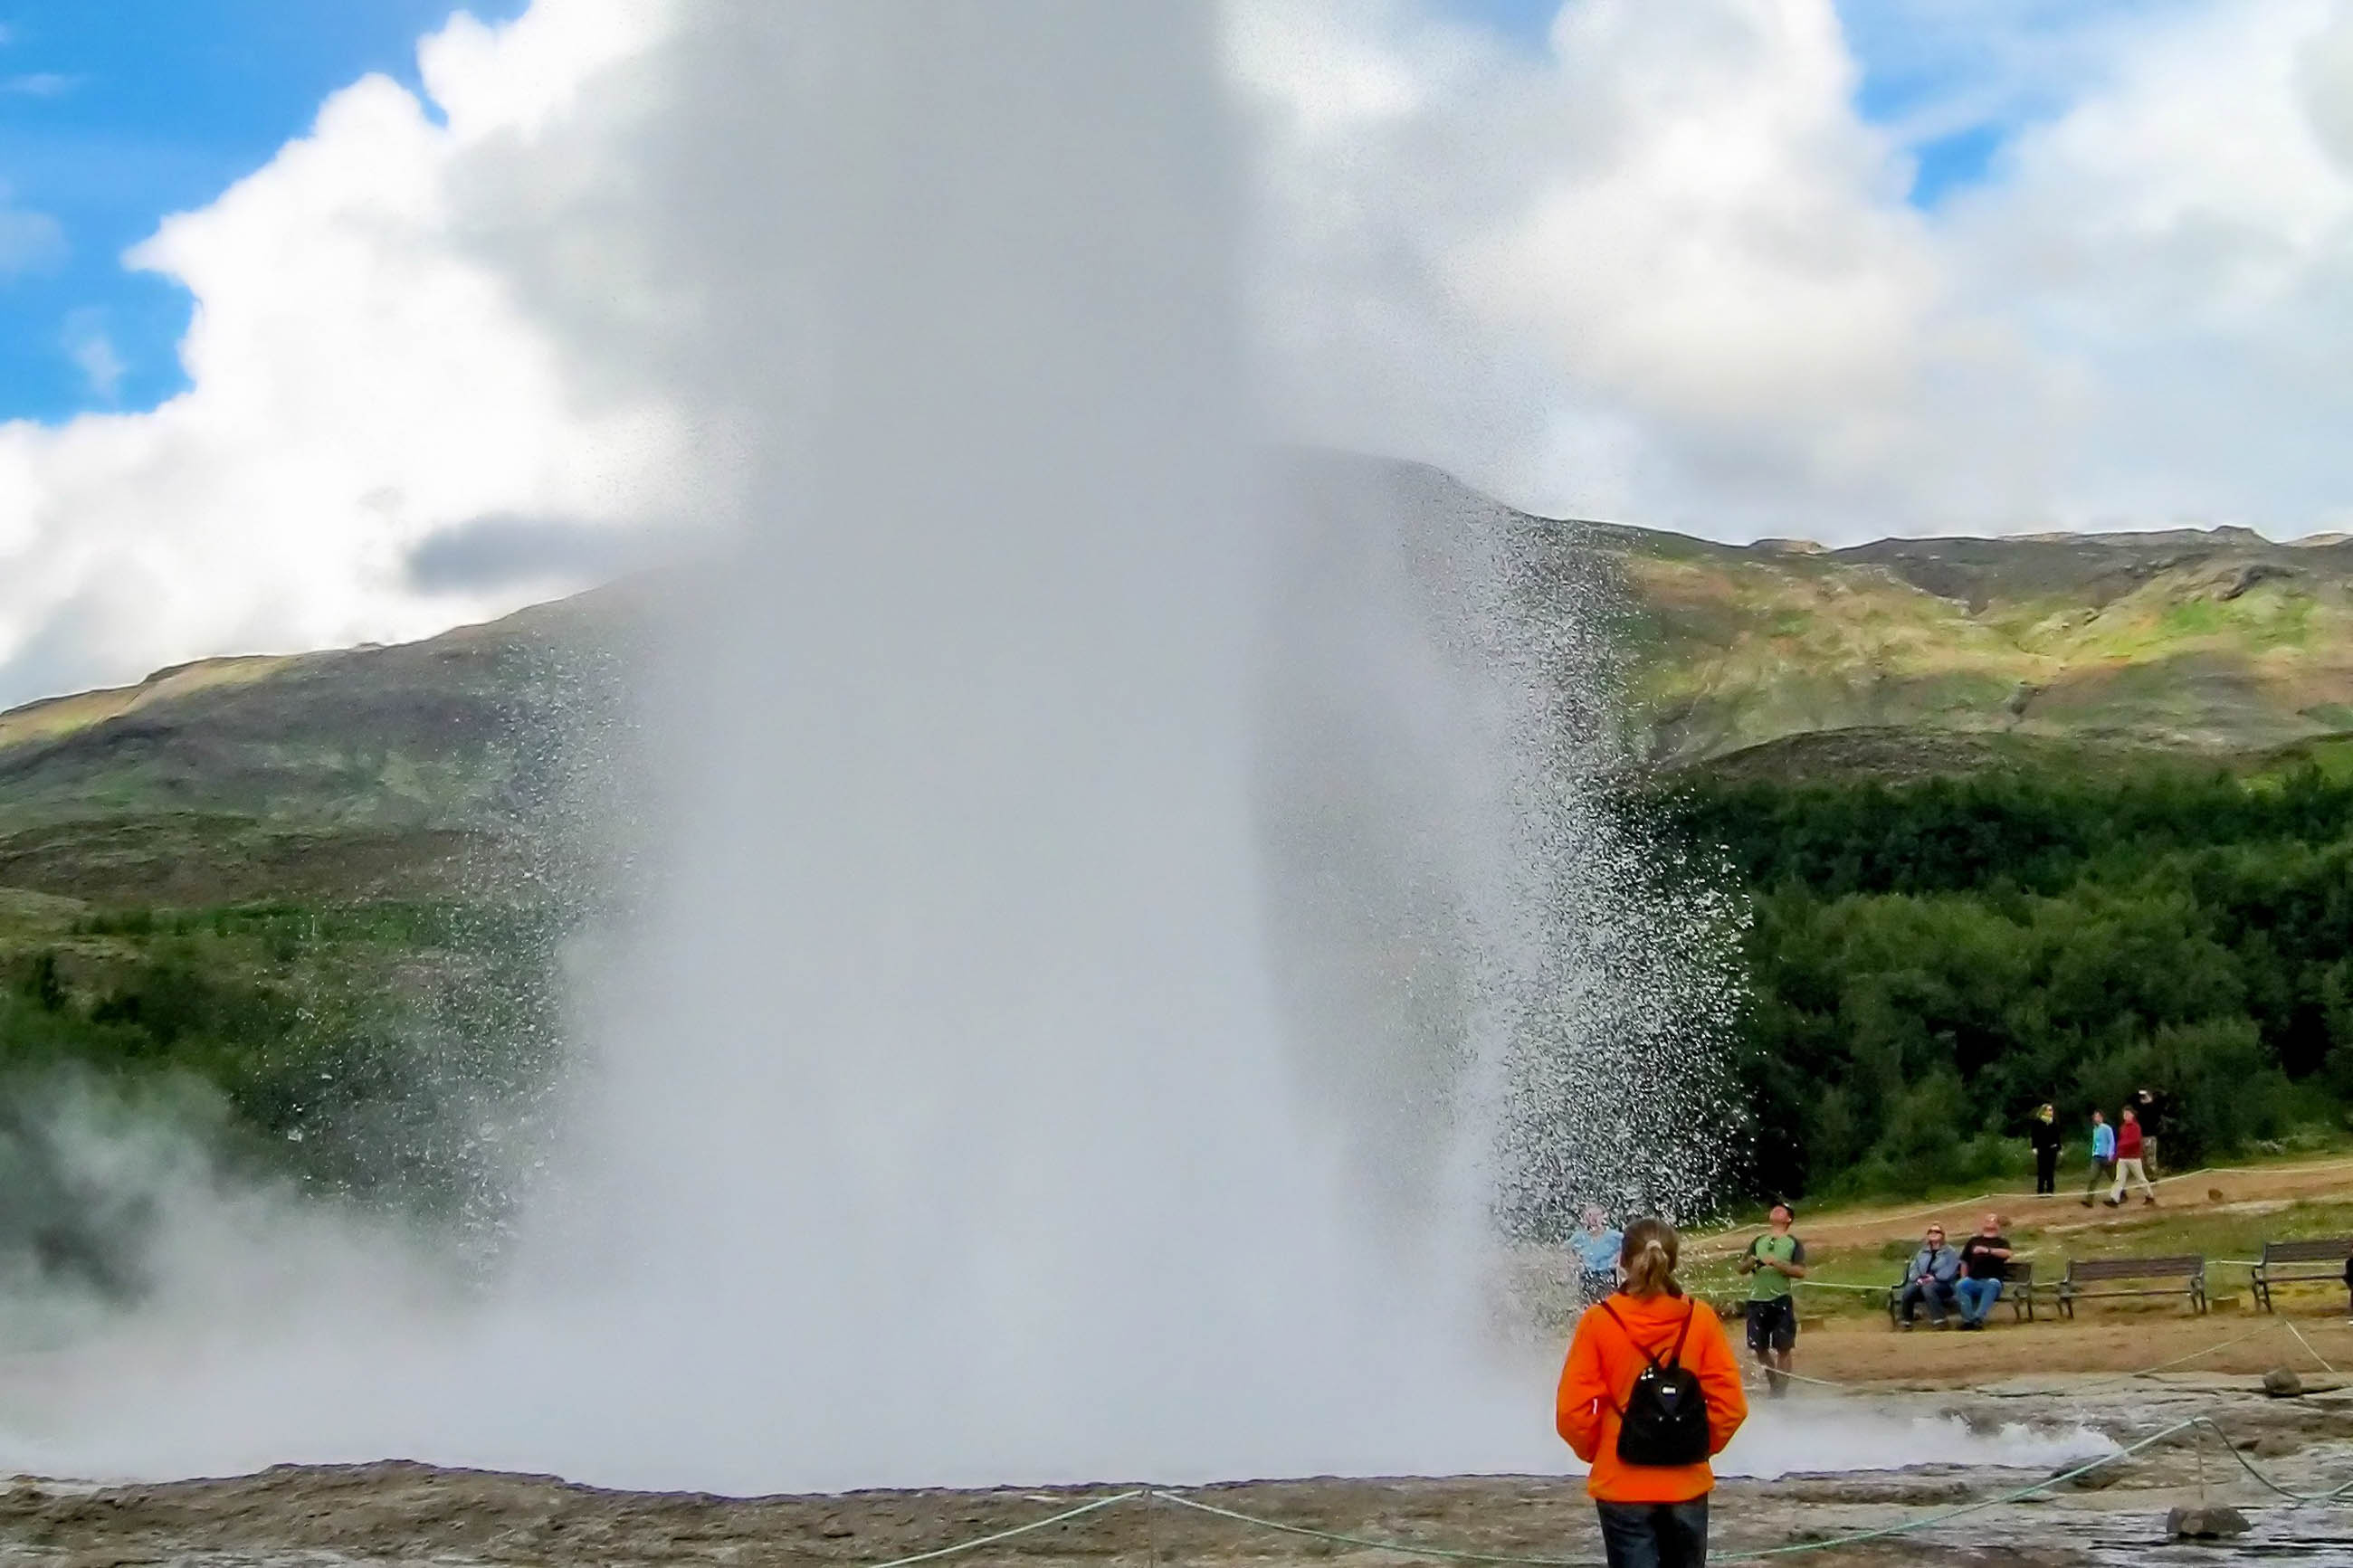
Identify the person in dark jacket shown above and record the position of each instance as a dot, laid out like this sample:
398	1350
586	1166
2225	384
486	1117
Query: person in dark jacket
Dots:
2043	1132
1985	1261
2150	1109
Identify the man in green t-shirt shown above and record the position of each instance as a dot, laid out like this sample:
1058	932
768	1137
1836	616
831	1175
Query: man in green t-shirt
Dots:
1773	1260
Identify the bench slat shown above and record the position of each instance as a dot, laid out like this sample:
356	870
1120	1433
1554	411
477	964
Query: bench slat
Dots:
2133	1267
2331	1249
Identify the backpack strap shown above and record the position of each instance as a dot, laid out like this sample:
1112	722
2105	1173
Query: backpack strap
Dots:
1675	1356
1630	1340
1618	1410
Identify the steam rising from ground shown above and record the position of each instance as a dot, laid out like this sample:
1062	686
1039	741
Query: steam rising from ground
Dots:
1119	924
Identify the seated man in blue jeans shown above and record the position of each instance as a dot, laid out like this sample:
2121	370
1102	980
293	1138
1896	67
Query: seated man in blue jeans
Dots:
1984	1258
1929	1277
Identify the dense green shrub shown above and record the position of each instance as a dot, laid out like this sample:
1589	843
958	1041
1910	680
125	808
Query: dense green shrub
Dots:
364	1051
1928	964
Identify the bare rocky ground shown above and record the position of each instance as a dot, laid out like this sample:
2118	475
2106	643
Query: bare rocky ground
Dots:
404	1512
2052	1376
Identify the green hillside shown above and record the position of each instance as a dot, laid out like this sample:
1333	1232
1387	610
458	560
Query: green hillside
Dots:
1911	655
434	769
2014	820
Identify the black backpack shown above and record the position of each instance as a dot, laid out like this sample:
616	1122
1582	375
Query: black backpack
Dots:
1664	1420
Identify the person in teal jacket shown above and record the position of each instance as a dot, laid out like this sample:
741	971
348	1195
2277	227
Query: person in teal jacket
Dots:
2103	1155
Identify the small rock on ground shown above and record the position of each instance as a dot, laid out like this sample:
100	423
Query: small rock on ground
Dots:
2204	1523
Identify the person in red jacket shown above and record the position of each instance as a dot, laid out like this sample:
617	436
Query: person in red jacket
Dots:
1652	1516
2128	1161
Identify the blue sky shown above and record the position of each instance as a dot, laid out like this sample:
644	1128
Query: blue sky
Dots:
115	113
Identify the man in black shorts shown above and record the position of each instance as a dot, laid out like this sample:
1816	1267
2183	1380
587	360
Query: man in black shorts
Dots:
1773	1259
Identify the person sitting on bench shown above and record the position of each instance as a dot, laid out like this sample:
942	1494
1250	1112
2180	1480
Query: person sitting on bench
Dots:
1929	1277
1985	1261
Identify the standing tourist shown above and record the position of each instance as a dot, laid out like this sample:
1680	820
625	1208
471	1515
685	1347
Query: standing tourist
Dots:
1597	1246
2043	1132
2130	1147
2151	1111
1773	1259
1649	1393
2104	1156
1985	1260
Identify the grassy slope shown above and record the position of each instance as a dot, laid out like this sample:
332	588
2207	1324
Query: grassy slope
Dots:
427	770
2215	644
393	772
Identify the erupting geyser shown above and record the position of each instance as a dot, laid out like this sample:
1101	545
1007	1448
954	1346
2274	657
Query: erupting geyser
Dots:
944	1125
991	1076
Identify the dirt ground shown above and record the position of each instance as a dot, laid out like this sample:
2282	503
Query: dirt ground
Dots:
2050	1376
2230	1190
2099	1340
399	1513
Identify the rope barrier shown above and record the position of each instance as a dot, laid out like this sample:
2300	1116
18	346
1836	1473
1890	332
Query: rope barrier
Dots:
1440	1553
1839	1285
1696	1244
1910	1525
978	1542
2201	1423
1766	1553
2193	1355
2332	1495
2307	1345
2097	1383
1765	1376
1447	1555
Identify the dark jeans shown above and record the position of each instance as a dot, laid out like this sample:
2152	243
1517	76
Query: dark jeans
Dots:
1654	1534
2103	1173
1977	1297
1935	1292
2046	1170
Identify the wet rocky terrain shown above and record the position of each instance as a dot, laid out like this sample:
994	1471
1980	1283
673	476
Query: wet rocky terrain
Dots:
407	1512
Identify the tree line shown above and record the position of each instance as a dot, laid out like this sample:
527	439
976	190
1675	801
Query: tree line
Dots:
1929	962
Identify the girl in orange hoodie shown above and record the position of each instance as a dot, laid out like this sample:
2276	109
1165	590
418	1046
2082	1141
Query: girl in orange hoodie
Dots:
1652	1516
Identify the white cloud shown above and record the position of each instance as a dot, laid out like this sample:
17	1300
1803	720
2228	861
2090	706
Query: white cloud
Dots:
29	241
1661	270
86	342
362	382
40	84
1667	271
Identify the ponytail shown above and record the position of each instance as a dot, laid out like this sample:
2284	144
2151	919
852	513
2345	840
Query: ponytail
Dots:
1648	1259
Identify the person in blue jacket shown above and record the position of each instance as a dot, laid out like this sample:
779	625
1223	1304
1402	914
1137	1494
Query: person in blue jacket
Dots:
1928	1278
2104	1156
1597	1246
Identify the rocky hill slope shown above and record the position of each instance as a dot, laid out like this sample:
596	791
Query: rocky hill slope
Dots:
427	768
1943	654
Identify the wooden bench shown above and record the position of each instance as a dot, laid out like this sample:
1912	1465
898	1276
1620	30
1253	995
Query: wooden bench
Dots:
2305	1262
2180	1275
2016	1290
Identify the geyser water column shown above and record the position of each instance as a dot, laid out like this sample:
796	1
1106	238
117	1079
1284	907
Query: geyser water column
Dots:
941	1127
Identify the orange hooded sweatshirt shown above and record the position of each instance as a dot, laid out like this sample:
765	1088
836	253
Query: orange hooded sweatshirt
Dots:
1600	1372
